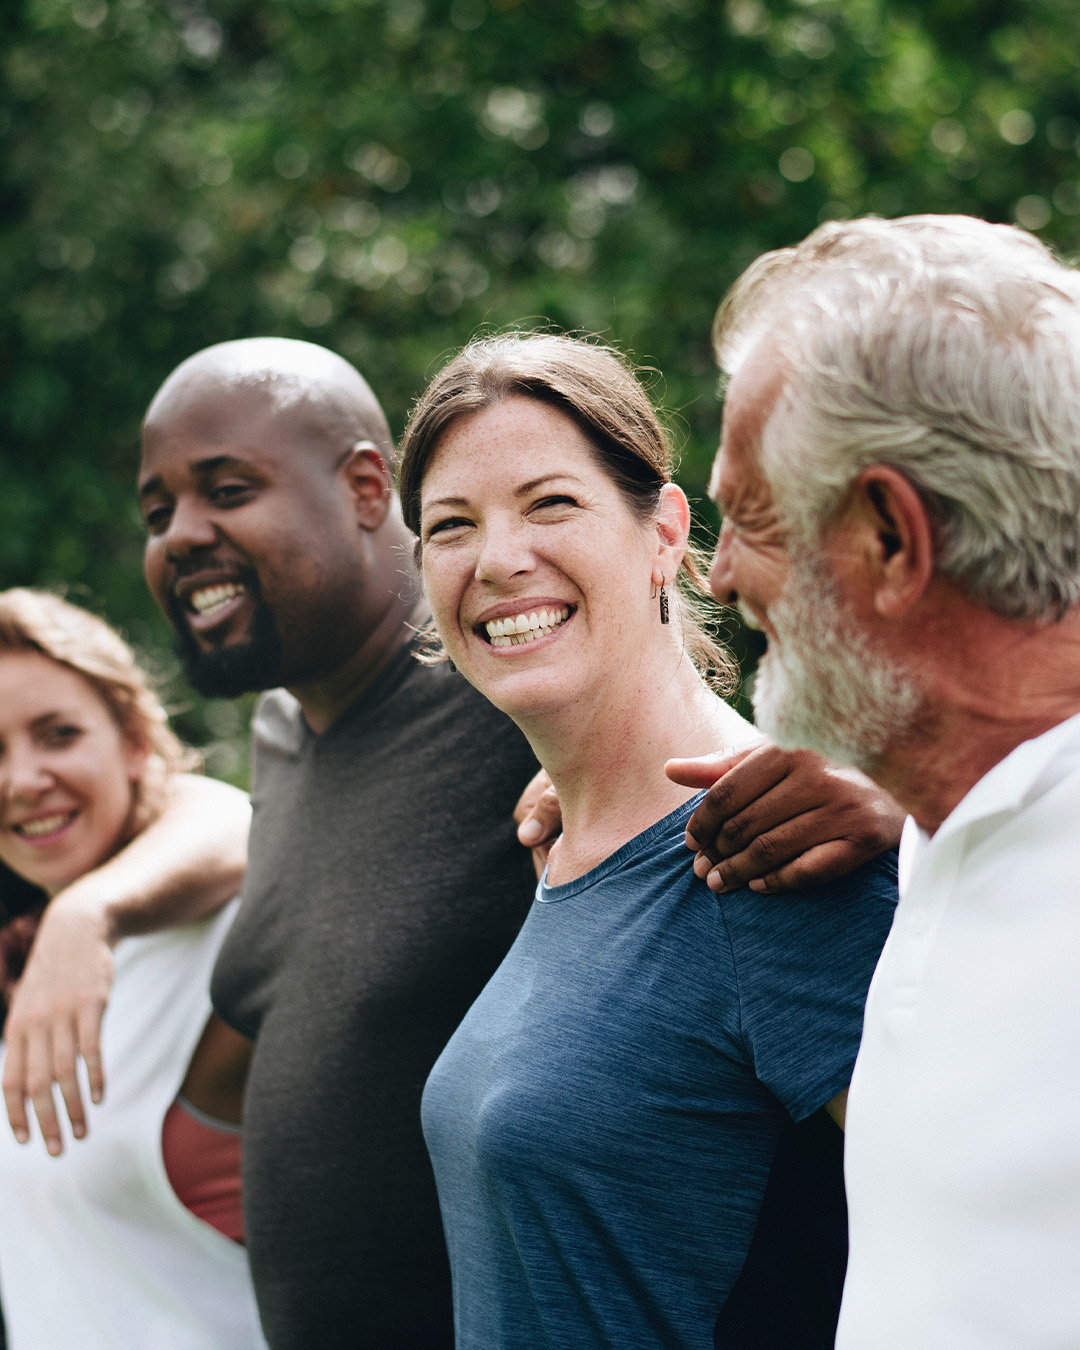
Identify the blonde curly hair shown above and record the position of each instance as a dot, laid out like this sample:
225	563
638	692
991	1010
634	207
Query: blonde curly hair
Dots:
39	621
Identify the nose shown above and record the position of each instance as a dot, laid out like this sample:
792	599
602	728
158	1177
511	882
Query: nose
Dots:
504	552
188	531
23	775
721	577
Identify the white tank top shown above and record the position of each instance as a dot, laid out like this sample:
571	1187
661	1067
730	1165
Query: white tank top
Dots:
96	1251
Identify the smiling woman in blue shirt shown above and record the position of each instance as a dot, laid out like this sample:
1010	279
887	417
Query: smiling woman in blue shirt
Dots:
633	1129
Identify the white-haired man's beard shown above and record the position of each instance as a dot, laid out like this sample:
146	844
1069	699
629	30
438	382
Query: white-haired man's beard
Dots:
822	685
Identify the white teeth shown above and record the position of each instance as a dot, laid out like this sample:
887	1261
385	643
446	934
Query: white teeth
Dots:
519	628
32	829
208	598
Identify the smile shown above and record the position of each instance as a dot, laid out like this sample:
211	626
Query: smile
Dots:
37	829
207	600
519	628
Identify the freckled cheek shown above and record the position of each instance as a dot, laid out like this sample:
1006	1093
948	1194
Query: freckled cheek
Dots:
444	585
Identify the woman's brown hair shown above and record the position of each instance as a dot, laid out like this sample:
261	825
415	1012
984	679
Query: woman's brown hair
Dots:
597	388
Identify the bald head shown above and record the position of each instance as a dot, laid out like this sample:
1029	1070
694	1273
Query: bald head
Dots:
330	395
274	540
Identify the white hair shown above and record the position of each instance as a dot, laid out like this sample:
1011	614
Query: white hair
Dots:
949	349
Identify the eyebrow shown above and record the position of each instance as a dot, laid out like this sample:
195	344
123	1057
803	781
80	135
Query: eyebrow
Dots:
54	715
202	468
522	491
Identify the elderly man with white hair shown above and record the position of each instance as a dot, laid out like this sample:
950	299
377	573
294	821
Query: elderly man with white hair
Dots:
899	476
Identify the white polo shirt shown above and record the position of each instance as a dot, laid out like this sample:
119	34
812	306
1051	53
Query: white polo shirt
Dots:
963	1125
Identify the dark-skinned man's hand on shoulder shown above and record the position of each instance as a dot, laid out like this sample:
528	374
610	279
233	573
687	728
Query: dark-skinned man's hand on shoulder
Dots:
776	820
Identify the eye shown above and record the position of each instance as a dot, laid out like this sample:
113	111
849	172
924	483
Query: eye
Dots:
156	518
61	734
449	526
554	503
228	495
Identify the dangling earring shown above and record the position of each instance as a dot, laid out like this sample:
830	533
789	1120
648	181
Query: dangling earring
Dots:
453	668
665	616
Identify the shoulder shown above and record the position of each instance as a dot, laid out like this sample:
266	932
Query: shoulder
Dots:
811	951
278	723
437	711
856	909
651	879
426	686
803	963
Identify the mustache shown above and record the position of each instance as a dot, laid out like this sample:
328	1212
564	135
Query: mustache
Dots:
226	672
246	576
747	615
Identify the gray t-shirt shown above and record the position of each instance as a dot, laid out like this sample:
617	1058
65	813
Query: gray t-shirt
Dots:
384	888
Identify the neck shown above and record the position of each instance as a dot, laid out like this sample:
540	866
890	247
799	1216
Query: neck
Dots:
991	684
389	624
605	755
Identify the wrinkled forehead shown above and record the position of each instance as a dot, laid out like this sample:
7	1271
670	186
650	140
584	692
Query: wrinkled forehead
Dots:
755	395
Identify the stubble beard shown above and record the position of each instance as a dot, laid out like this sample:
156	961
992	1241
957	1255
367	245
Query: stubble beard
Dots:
823	685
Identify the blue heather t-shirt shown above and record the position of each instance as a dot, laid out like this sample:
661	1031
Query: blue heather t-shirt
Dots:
604	1122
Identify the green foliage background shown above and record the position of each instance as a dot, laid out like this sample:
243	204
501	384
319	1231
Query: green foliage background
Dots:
384	176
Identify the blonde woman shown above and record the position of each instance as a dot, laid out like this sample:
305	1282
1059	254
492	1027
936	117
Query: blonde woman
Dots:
132	1237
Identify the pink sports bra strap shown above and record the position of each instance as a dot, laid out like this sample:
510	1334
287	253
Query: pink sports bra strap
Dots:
202	1162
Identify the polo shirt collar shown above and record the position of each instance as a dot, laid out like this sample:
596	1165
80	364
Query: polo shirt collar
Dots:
1004	789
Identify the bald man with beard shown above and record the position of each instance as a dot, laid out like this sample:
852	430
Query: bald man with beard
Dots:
385	882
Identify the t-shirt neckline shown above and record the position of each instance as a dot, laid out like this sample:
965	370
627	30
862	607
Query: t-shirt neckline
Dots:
547	895
386	683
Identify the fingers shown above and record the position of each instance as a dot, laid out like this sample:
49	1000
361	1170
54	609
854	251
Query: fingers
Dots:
44	1051
14	1097
817	866
89	1045
781	859
55	1020
766	786
540	857
543	822
64	1058
38	1083
704	771
537	785
765	855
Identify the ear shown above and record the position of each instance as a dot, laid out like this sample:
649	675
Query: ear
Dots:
370	483
672	532
137	753
897	538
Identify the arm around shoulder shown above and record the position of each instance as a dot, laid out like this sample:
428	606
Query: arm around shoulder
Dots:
183	866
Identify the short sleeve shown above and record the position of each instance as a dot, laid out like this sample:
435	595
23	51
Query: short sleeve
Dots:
803	962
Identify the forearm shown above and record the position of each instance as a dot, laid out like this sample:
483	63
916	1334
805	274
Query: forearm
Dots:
160	879
186	864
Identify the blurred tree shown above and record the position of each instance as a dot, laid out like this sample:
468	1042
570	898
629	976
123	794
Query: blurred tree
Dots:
384	176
